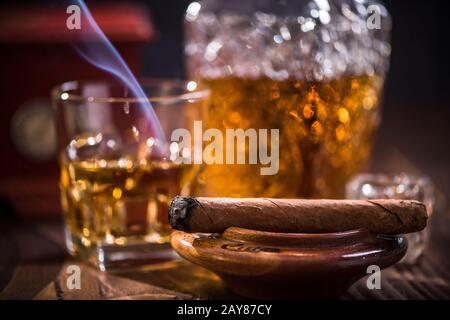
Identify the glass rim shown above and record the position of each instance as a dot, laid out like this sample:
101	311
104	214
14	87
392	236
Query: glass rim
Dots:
390	178
198	92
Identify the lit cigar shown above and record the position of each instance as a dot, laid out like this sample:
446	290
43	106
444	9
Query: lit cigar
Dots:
215	215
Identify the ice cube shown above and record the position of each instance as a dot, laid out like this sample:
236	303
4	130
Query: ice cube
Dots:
94	146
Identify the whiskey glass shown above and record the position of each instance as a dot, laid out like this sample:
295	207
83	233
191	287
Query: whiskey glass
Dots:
118	172
401	186
312	69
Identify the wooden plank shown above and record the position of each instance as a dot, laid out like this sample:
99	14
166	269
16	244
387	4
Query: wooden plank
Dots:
97	285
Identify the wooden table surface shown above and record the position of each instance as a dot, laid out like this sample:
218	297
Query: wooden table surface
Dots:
33	261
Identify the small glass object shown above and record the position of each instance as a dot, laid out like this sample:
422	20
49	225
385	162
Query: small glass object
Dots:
402	186
118	168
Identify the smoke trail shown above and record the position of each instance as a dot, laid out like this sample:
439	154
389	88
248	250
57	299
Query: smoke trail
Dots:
96	48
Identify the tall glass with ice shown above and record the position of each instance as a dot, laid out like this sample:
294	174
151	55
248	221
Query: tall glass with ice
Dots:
312	69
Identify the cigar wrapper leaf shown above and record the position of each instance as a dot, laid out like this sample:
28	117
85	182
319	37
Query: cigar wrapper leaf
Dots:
215	215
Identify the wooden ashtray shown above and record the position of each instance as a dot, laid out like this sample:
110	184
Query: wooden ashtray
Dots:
259	264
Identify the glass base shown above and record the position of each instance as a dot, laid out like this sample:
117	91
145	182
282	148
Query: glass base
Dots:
416	246
107	256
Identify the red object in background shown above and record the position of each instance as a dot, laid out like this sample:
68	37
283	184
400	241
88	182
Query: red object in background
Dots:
36	55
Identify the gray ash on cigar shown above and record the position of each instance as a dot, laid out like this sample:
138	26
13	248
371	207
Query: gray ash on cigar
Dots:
180	212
